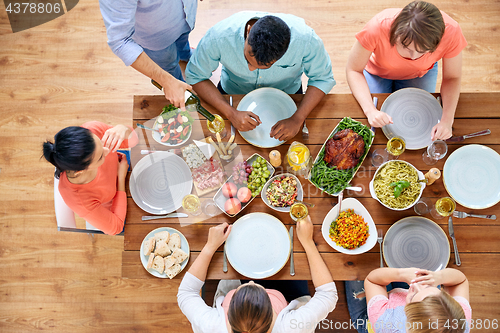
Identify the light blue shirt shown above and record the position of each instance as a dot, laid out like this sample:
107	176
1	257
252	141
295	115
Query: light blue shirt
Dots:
224	42
132	25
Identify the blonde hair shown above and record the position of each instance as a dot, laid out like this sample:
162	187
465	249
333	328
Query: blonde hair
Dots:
439	313
419	22
250	310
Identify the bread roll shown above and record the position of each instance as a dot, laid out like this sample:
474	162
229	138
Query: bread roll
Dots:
169	262
150	261
174	242
158	264
162	235
173	271
149	246
162	249
179	255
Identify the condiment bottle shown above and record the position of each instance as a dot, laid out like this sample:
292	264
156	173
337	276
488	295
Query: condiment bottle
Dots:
432	175
275	158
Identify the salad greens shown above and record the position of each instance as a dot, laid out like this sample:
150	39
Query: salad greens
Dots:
331	180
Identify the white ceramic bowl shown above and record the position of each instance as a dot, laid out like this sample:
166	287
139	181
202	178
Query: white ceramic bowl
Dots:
350	203
271	105
420	177
263	193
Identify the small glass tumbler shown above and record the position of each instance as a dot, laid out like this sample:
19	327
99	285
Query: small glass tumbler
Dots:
209	208
434	152
423	206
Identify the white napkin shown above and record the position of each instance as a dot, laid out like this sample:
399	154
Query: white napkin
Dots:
206	148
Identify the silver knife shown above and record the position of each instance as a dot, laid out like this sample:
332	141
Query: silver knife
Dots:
467	136
224	262
452	235
154	217
292	267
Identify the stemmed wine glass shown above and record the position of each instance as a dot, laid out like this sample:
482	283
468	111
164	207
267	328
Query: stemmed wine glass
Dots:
444	207
395	147
434	152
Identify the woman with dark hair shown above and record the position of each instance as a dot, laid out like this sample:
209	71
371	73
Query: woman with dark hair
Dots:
400	48
420	307
250	307
92	173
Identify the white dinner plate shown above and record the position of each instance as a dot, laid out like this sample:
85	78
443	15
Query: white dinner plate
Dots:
416	241
471	175
184	247
271	105
350	203
414	113
159	181
258	245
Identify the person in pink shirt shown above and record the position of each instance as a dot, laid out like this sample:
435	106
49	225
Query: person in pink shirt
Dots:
400	48
92	173
249	307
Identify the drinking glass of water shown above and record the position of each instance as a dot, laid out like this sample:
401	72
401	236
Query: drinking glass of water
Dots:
435	151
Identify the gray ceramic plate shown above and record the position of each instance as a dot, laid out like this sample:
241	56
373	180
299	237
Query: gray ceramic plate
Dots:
300	192
271	105
159	181
416	241
414	113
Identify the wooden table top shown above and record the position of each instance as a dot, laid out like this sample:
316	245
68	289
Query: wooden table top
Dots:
477	239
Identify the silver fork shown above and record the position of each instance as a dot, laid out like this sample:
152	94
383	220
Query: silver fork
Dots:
380	238
305	131
462	215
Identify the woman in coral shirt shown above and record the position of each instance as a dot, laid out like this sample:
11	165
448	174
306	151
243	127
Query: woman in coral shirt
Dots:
400	48
92	173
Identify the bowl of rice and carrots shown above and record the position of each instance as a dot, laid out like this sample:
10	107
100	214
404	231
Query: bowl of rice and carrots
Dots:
352	231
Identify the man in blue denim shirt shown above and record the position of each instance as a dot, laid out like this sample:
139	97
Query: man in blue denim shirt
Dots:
152	36
261	50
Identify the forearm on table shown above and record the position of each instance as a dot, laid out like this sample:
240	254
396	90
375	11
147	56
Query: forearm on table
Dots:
450	92
200	266
209	93
148	67
320	274
386	275
311	99
360	90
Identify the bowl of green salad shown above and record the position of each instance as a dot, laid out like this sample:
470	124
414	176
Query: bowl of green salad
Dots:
281	191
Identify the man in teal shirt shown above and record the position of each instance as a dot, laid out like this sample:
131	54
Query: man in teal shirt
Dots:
260	50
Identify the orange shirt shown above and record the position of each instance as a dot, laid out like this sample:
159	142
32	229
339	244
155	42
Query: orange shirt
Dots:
386	62
99	202
278	301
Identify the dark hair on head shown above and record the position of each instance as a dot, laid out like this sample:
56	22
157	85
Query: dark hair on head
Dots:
269	39
72	149
419	22
250	310
439	309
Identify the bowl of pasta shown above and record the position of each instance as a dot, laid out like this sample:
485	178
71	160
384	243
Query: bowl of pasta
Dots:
396	185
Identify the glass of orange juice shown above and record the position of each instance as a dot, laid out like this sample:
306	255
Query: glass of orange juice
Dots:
298	158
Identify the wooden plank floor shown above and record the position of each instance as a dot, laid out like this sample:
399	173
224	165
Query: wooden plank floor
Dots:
62	73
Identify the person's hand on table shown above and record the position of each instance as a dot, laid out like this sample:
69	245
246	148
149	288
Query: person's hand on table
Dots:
285	129
114	137
441	131
426	277
378	118
305	229
244	120
407	274
217	236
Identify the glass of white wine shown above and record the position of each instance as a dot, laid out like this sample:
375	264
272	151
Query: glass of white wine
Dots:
434	152
395	147
444	207
191	204
217	126
298	211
